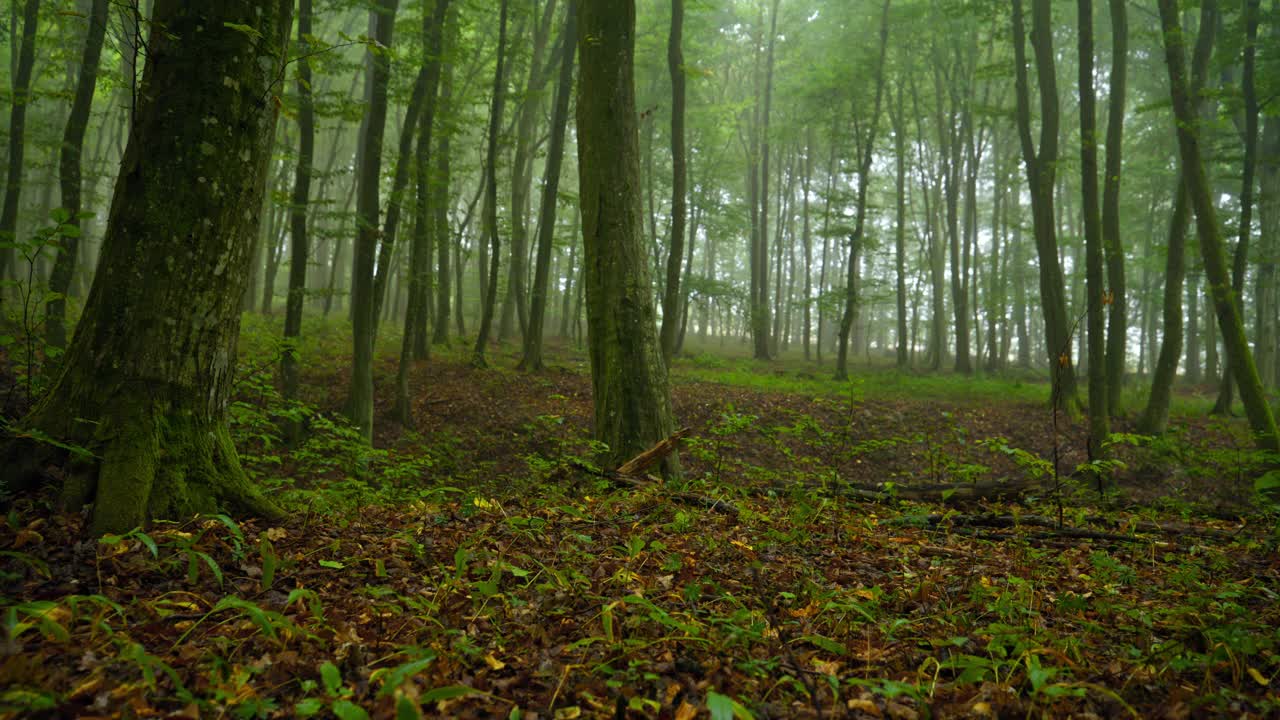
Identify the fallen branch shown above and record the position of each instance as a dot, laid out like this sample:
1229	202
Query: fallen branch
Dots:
632	472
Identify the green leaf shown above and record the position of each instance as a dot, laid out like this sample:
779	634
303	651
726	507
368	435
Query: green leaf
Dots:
332	564
60	215
397	676
445	693
824	643
145	539
246	29
347	710
407	709
269	560
308	707
723	707
331	677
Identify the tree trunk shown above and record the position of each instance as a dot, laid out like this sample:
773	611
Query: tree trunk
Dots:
532	359
301	242
1117	318
17	132
1040	168
147	397
490	218
679	178
629	381
1212	252
445	242
864	179
1155	418
69	175
363	302
1099	416
1223	404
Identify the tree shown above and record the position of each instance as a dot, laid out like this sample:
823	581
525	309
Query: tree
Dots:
867	146
1155	417
1041	168
69	167
300	248
490	210
671	299
628	378
532	357
363	319
146	378
17	130
1099	416
1226	307
1118	310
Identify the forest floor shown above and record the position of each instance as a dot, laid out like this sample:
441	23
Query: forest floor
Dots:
471	568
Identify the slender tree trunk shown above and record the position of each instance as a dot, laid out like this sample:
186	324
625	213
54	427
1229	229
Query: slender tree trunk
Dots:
21	78
532	359
807	239
1040	168
1117	318
301	242
445	243
897	117
363	303
679	178
69	175
1099	415
864	179
1241	258
490	293
1261	421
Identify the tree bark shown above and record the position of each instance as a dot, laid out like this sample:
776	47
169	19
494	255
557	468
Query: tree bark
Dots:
490	218
679	180
532	359
147	396
1118	310
445	242
1041	169
17	132
864	179
1095	301
300	249
629	381
69	175
363	303
1261	421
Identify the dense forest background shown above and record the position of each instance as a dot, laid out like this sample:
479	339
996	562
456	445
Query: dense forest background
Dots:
640	358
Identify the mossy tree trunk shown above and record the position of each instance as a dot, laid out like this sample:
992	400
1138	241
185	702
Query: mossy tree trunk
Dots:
300	242
629	381
489	213
1118	310
21	79
149	369
1212	251
1099	416
679	180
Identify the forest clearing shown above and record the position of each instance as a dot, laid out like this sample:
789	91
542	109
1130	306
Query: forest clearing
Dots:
560	359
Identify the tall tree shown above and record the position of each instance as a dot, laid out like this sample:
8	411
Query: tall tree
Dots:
1249	92
300	241
69	174
1041	167
532	358
441	181
1118	310
146	379
867	148
671	299
1099	416
628	379
1212	252
369	169
1155	417
17	130
490	210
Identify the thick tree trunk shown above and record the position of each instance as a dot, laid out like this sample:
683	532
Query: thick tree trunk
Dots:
629	380
490	211
445	242
532	359
148	396
1261	421
69	176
